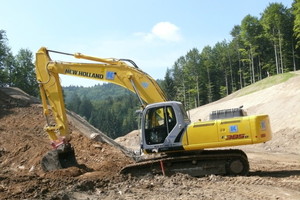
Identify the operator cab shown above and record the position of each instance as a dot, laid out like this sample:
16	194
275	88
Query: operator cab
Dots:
160	122
163	126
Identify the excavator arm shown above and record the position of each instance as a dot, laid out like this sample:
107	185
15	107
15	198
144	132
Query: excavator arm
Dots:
107	70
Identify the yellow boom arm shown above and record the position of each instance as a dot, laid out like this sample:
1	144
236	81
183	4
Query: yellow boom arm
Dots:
107	70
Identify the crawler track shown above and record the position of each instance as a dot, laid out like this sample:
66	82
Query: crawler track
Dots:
221	162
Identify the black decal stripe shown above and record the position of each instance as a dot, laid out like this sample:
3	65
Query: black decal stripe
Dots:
229	122
201	125
177	139
166	149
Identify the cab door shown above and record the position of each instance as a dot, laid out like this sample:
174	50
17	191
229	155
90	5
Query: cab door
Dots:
159	122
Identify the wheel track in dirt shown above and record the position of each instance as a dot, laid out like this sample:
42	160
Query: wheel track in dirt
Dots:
211	187
268	188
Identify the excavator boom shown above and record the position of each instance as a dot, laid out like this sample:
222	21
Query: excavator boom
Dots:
109	70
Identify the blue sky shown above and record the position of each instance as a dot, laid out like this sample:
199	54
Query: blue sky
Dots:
153	33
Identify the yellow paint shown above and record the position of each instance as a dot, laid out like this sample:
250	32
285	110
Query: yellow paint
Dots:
227	132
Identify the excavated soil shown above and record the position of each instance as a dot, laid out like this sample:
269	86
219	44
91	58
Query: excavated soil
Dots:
274	166
23	143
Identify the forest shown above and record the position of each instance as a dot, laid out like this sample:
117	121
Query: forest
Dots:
259	47
108	107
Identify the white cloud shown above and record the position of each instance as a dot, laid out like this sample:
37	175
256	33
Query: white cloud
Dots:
163	30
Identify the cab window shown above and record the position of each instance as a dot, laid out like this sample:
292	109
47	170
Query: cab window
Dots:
159	123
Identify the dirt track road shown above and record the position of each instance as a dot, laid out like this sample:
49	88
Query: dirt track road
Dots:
272	176
263	182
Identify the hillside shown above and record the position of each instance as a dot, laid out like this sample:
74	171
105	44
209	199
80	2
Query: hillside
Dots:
274	166
95	93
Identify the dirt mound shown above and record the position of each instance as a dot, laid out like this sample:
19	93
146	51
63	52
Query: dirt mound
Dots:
23	142
11	96
131	140
273	175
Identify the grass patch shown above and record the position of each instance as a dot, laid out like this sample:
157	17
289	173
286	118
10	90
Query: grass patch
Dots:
266	83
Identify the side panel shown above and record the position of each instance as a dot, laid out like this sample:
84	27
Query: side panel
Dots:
227	132
202	132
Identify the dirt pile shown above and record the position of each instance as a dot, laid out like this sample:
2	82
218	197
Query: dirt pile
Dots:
14	97
273	174
22	144
131	140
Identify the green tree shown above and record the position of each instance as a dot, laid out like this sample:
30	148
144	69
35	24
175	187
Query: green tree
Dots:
207	66
179	80
192	71
24	74
74	103
277	23
222	63
251	32
10	67
236	45
296	28
6	60
85	108
168	85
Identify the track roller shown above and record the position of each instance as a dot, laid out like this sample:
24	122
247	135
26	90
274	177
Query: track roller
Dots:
237	167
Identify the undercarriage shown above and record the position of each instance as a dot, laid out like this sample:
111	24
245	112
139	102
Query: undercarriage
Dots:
206	162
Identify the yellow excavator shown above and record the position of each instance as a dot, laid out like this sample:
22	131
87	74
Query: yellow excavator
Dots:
166	129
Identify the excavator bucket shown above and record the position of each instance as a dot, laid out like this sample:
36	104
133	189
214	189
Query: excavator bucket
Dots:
59	158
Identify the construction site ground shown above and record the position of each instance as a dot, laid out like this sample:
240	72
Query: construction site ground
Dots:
274	166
